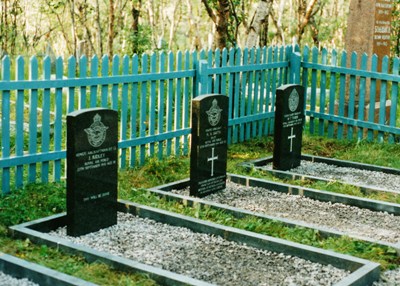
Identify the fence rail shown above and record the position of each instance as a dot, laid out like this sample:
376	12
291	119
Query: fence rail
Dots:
152	94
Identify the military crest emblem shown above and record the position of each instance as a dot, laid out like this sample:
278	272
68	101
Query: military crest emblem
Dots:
96	133
214	113
293	100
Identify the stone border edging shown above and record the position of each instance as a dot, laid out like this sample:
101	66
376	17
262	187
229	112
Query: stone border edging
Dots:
363	272
44	276
164	191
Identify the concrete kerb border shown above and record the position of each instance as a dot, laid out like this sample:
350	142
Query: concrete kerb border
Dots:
36	232
363	272
164	191
318	159
38	274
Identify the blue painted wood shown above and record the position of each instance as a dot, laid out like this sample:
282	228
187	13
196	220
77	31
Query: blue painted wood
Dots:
58	112
394	99
134	110
242	98
361	102
352	95
5	125
372	99
186	101
235	59
178	104
94	70
313	97
19	119
46	120
152	103
33	122
216	84
262	97
104	87
382	97
256	97
170	95
82	75
114	89
268	92
143	112
322	95
342	91
332	93
249	94
71	89
124	112
249	80
161	105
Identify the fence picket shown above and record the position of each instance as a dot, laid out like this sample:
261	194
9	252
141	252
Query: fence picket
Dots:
5	124
342	92
170	94
46	120
114	89
152	103
71	90
313	98
352	95
94	69
82	74
321	122
58	111
186	100
33	122
178	103
124	111
161	105
143	114
332	93
394	99
361	101
372	97
383	95
134	110
249	96
104	87
19	122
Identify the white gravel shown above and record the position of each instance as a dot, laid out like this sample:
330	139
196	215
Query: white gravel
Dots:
7	280
356	176
202	256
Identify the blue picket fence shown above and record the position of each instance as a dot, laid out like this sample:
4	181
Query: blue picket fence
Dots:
152	94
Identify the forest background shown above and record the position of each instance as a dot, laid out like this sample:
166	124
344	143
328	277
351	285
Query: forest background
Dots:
98	27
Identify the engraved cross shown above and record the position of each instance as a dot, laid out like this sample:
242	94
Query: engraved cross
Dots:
291	137
212	159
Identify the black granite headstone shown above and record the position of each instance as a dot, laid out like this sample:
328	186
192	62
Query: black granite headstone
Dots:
209	144
92	170
289	119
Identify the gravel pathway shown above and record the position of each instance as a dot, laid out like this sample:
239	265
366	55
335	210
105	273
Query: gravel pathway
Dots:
202	256
356	176
7	280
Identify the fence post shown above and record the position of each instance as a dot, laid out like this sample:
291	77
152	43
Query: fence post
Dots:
201	78
295	65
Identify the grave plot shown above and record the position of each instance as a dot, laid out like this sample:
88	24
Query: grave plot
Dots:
15	271
368	178
329	213
176	250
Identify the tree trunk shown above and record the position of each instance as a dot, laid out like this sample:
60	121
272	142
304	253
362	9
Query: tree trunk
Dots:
135	12
257	32
111	18
305	13
99	29
221	20
73	25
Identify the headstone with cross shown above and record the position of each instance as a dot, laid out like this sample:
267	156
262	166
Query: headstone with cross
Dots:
92	170
209	144
289	119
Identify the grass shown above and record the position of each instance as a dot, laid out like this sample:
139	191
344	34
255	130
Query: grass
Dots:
40	200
